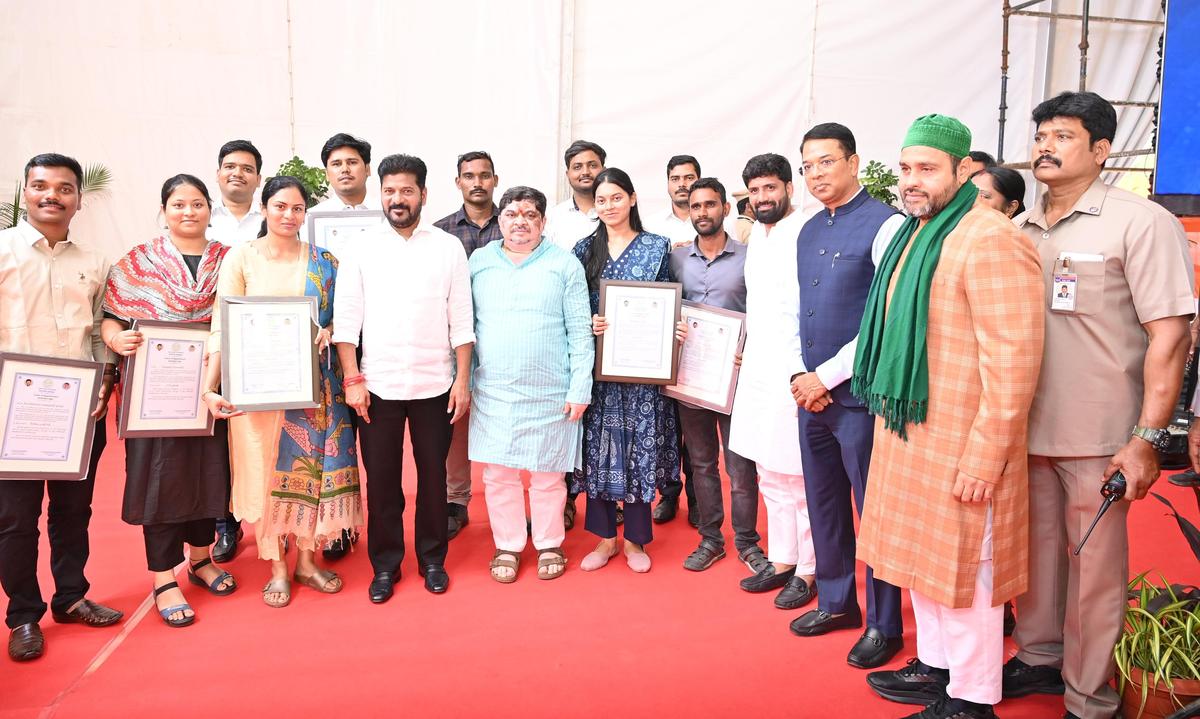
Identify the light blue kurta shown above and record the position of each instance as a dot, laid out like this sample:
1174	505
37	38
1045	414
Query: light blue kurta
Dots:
534	352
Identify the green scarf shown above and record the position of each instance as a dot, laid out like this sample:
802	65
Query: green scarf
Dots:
891	365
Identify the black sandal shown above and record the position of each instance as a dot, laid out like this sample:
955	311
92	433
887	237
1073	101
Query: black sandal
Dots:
215	585
166	613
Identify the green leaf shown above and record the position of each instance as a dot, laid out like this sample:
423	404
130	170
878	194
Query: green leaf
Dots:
97	179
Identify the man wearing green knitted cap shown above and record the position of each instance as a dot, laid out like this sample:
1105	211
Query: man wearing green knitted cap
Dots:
948	356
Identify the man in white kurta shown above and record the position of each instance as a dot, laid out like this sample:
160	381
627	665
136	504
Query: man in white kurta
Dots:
532	379
763	422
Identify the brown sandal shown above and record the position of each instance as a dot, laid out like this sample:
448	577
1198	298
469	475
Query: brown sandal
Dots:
498	561
320	581
278	586
545	563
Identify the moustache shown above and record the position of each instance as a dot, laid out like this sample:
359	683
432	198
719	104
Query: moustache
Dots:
51	203
400	206
1051	159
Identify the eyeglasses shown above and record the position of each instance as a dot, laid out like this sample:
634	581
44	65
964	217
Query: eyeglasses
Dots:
825	165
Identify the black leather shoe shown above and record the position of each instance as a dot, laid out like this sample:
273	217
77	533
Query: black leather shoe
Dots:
694	517
665	510
26	643
947	708
436	579
767	580
1020	679
569	514
796	593
226	547
753	558
1069	715
703	557
873	649
340	547
456	519
89	613
915	683
382	586
817	622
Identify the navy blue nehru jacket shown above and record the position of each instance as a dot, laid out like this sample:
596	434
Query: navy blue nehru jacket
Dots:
834	268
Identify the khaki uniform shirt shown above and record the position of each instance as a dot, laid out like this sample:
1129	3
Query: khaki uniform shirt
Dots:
50	297
1131	260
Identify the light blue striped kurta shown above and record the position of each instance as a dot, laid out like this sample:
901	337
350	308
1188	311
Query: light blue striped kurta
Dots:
534	352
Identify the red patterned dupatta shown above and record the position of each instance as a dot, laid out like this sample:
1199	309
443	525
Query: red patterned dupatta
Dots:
153	282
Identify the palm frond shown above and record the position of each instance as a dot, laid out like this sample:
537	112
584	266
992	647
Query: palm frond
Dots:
10	212
97	179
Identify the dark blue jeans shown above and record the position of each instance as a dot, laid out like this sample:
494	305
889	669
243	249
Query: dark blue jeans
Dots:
700	429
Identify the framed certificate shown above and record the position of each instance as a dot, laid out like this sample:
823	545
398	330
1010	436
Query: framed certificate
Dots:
332	230
268	359
707	375
46	427
161	390
639	344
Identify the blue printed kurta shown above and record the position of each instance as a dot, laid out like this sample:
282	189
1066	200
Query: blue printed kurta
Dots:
630	446
534	352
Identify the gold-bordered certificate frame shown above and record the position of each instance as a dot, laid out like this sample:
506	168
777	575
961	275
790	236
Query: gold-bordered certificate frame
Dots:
162	385
639	345
46	427
268	355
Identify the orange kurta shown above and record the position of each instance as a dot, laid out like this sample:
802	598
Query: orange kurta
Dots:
984	343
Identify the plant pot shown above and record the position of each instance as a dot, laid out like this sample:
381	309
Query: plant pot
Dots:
1159	702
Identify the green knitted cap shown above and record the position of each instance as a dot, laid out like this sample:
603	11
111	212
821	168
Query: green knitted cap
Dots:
940	132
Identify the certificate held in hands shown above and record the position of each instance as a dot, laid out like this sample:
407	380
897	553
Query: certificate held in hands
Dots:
46	428
268	355
161	392
707	370
639	344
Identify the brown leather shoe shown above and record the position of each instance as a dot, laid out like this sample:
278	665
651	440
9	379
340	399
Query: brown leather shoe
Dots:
25	643
89	613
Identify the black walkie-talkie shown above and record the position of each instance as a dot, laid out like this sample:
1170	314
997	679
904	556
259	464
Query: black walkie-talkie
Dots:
1112	491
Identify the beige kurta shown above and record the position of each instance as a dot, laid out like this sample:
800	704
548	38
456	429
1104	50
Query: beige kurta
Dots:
254	436
984	342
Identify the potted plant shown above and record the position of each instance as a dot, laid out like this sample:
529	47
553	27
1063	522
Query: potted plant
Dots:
1158	653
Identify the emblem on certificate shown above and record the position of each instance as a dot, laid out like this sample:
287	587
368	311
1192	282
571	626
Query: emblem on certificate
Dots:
161	393
268	355
46	427
333	230
639	344
707	372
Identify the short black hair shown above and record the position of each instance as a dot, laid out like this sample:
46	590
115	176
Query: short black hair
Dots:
340	140
1008	183
240	146
1098	116
678	160
709	183
403	164
982	158
742	205
832	131
767	165
471	157
53	159
521	193
583	146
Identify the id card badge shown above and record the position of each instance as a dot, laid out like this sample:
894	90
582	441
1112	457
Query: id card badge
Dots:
1065	285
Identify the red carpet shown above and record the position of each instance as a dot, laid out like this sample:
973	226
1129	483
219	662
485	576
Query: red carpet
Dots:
609	643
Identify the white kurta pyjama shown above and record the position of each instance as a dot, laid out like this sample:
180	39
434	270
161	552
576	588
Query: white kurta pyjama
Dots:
534	352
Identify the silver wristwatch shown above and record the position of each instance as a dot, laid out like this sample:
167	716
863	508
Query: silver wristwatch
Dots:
1158	438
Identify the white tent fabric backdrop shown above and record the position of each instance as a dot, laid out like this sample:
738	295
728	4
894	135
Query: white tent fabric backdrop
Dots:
153	89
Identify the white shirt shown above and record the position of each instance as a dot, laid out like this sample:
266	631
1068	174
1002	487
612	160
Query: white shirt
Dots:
566	225
228	230
411	301
763	421
839	368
